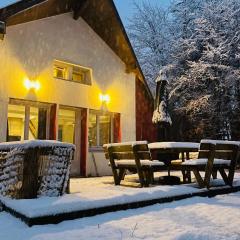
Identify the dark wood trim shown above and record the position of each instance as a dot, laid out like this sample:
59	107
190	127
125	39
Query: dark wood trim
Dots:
54	219
18	7
2	30
79	8
84	142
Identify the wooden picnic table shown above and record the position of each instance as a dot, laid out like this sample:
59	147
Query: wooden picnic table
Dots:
176	147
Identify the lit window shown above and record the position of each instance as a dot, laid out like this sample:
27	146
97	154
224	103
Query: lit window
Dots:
16	121
27	120
100	130
72	72
60	72
78	75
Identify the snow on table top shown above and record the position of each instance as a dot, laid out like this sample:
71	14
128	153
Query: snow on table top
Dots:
34	143
219	141
97	192
124	143
166	145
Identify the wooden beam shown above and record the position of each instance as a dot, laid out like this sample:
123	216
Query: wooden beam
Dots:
2	30
131	68
79	8
17	7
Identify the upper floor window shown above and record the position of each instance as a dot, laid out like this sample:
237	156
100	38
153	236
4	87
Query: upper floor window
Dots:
60	72
72	72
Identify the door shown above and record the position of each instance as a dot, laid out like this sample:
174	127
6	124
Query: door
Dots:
69	130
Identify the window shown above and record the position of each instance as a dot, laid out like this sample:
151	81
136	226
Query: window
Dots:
72	72
16	121
59	72
66	125
78	75
100	129
27	120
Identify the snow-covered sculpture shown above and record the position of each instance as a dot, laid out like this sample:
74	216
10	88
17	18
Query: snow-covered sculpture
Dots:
160	114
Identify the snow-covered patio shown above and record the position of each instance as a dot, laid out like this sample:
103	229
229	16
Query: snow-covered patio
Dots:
196	218
92	196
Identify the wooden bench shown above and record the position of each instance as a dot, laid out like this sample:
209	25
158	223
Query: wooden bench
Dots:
212	158
132	156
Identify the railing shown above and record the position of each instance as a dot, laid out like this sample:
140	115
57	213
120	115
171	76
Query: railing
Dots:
30	169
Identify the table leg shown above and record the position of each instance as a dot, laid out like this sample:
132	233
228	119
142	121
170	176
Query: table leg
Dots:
188	172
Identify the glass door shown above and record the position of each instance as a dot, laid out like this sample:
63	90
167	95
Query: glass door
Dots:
69	130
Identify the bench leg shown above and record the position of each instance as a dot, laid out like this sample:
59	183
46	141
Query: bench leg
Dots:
214	174
122	173
116	177
225	177
231	175
186	176
149	178
199	178
141	177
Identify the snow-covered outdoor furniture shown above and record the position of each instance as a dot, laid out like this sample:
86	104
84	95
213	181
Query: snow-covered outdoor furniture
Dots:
225	142
29	169
183	148
135	157
212	157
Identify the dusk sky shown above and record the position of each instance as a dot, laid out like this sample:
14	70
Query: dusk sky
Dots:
125	7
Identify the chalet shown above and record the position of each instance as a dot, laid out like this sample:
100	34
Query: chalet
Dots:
69	73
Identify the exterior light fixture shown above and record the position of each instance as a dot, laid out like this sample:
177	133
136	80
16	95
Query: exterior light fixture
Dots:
2	29
105	99
35	85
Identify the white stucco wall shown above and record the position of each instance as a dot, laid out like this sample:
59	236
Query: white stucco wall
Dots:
28	51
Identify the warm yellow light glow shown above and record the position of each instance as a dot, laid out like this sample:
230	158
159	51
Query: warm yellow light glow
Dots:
31	84
104	98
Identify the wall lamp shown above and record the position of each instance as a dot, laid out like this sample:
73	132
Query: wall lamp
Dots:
105	99
35	85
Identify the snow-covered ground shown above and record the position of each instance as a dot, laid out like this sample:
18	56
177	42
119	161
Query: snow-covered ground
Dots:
195	218
89	193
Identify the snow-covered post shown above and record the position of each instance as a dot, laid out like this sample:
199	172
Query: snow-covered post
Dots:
160	114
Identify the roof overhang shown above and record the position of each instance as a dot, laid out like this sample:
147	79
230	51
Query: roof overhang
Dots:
2	30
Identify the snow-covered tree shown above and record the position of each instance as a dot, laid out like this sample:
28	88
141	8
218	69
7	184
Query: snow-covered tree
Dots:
199	42
149	33
209	56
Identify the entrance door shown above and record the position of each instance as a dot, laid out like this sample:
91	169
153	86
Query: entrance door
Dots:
28	120
69	130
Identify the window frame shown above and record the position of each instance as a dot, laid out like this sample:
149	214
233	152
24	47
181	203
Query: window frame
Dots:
27	104
99	113
85	71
